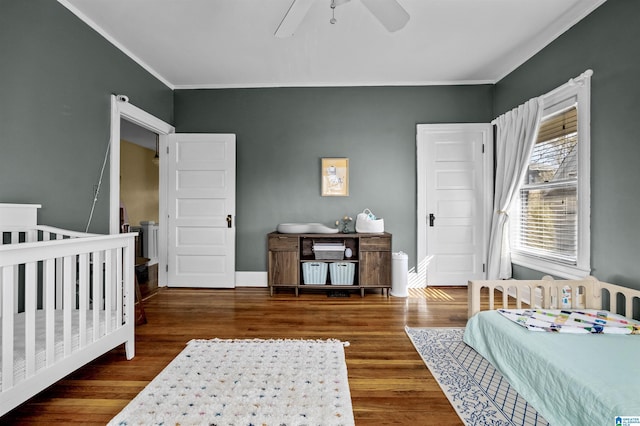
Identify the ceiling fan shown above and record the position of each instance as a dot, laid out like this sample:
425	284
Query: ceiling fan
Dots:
389	12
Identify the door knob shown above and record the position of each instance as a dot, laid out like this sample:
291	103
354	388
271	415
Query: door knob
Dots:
432	219
228	221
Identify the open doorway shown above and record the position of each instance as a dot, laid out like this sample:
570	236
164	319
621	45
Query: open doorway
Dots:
213	183
139	199
136	120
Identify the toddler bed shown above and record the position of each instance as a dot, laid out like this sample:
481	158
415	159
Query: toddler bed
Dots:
569	378
65	298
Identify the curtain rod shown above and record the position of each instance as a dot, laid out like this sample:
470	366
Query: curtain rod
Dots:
579	80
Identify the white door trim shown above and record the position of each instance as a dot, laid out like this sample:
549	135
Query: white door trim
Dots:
121	108
422	214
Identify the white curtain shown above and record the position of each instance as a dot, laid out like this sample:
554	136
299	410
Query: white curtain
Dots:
517	131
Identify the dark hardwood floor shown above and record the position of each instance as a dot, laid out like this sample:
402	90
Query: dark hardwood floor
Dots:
389	382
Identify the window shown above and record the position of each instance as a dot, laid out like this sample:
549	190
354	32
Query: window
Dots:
550	219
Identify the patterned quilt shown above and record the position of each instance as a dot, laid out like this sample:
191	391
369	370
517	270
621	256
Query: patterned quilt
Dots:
572	321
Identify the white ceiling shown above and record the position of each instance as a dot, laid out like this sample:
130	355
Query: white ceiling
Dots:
230	43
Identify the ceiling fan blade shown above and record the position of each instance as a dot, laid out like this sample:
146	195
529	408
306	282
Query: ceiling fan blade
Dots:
389	12
293	17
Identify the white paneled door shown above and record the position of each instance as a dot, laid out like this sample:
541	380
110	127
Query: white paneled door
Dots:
455	168
201	208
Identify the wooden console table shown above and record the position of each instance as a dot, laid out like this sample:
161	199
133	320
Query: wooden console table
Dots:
371	256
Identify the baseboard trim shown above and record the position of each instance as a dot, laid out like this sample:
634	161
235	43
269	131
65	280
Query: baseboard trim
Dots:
251	279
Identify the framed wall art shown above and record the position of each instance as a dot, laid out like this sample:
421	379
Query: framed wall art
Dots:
335	177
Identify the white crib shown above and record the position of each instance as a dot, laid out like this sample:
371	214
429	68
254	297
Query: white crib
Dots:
65	299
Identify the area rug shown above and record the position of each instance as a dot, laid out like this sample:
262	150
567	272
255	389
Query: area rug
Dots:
476	390
247	382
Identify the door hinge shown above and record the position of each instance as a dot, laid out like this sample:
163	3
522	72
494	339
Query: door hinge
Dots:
167	267
168	150
484	267
483	148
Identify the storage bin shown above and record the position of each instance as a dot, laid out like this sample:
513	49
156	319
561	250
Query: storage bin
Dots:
370	226
314	273
367	222
342	273
329	250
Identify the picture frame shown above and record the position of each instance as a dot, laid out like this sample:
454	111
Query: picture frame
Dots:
334	176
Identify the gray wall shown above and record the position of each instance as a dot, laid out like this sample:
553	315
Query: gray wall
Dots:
56	77
607	41
282	133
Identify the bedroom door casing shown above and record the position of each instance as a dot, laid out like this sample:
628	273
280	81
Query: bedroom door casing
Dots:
201	180
455	197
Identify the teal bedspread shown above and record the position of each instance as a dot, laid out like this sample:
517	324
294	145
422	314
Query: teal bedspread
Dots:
571	379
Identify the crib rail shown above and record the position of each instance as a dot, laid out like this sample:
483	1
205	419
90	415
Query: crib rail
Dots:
547	293
45	272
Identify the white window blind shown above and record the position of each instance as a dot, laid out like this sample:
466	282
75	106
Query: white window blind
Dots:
546	225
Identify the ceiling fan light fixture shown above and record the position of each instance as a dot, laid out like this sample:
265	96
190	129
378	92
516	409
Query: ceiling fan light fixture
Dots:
389	12
333	20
